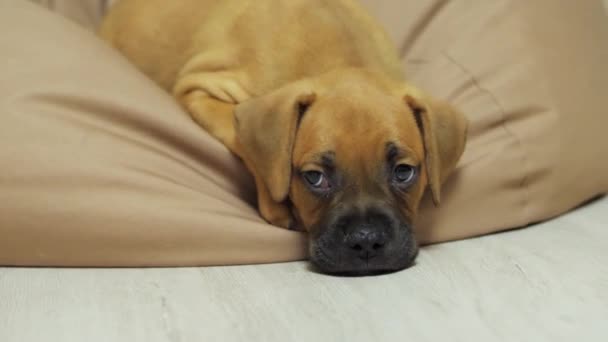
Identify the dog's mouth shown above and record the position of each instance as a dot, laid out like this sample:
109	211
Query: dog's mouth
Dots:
363	256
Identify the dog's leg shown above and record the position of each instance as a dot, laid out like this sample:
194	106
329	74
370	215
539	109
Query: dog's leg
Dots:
277	214
210	99
214	116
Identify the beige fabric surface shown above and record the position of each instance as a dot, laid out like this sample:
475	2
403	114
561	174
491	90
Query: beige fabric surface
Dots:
100	167
87	13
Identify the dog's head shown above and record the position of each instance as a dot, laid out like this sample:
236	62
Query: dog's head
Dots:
349	163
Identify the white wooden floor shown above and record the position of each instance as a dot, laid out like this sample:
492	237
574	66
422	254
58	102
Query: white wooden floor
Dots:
544	283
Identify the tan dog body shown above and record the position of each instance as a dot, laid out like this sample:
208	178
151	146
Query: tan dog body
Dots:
297	86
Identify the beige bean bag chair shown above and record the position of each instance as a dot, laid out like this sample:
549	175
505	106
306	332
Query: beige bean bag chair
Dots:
99	167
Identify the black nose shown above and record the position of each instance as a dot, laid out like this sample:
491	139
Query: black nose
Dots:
366	242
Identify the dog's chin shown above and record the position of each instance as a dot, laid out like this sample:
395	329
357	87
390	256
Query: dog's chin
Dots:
324	260
361	272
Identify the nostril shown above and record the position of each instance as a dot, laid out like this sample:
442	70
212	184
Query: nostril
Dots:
366	243
377	246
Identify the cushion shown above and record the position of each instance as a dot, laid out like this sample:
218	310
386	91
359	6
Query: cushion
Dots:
101	168
87	13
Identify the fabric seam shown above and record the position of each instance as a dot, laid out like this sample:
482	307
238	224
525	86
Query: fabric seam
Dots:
503	123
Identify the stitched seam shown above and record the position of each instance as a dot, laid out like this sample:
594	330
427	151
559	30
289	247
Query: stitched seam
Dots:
419	27
503	123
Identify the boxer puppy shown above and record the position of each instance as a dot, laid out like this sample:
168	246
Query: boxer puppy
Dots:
311	95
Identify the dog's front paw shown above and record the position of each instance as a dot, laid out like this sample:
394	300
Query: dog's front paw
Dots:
277	214
283	220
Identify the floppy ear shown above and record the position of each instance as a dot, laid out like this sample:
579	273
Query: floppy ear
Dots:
266	127
444	131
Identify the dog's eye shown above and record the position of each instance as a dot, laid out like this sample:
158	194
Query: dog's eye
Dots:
316	179
404	174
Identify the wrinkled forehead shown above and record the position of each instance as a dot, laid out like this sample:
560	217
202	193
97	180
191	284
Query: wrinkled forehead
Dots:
358	132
